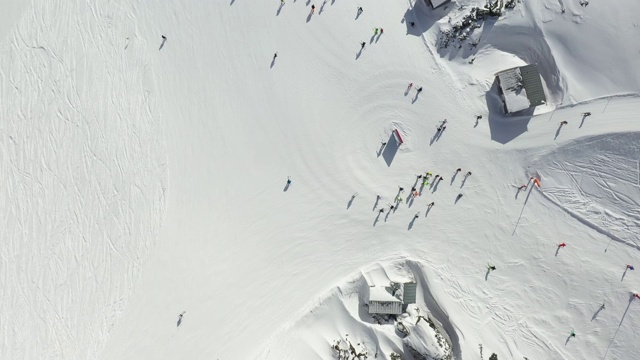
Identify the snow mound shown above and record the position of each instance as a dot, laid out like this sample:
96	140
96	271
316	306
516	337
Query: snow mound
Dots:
339	325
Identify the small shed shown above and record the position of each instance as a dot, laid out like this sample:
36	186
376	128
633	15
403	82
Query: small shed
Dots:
382	302
409	294
437	3
520	88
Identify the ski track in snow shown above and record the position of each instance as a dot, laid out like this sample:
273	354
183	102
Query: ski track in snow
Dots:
83	169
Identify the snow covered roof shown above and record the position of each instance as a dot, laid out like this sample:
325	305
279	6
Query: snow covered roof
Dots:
521	88
379	293
438	3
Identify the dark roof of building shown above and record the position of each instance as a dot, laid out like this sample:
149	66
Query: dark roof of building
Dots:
533	84
409	295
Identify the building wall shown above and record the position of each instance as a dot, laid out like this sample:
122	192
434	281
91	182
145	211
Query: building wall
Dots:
382	307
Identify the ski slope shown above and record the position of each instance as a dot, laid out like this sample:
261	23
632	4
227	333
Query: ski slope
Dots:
143	179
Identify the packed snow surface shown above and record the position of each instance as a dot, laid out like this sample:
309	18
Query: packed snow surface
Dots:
146	212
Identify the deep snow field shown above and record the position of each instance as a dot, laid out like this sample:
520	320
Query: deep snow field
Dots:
144	179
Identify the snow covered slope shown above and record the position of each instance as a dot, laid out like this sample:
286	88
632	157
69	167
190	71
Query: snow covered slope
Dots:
146	178
83	168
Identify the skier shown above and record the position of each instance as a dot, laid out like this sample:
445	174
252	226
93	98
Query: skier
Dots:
469	173
419	176
288	180
401	189
399	198
375	31
412	24
637	295
431	204
585	114
459	195
416	216
381	31
436	178
563	123
413	189
522	187
164	37
282	2
362	44
313	9
384	144
416	194
629	267
409	87
381	211
490	267
419	89
573	334
562	245
458	170
392	207
275	56
360	10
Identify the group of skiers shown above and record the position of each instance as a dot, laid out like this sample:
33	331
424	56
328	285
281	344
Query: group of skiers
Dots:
426	178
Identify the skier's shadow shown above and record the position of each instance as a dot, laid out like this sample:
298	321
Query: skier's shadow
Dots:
582	122
353	197
464	181
378	37
435	186
376	220
415	98
428	210
624	274
457	199
359	53
486	276
558	132
557	251
273	62
380	149
375	205
286	187
387	216
162	45
357	14
567	341
411	223
595	315
309	16
435	136
322	8
453	178
279	9
372	38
